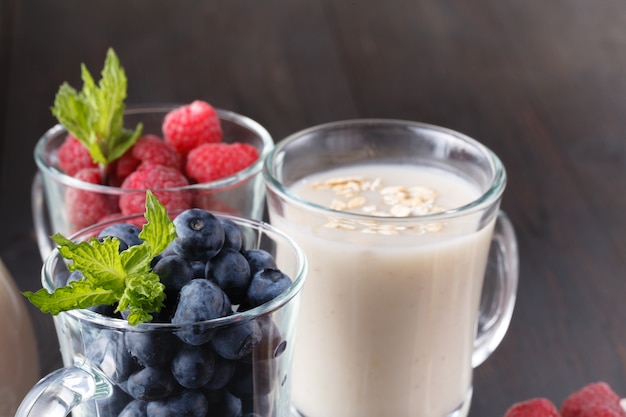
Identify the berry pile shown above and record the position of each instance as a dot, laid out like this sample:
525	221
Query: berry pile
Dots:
593	400
191	150
195	369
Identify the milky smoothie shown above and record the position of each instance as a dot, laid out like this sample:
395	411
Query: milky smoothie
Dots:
389	313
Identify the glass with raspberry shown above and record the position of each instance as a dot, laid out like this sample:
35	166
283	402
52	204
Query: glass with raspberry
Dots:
190	156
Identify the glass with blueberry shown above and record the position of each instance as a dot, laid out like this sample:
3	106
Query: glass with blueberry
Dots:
219	346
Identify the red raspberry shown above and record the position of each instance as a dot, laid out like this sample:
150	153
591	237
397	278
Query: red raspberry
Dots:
535	407
155	178
85	208
593	400
213	161
150	149
73	156
191	125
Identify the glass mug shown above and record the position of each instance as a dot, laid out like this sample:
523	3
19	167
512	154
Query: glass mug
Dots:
241	194
399	307
103	364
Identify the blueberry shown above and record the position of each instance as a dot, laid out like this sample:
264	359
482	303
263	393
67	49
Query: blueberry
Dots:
200	300
223	404
126	232
233	235
267	285
186	403
108	352
200	235
193	366
151	348
150	384
236	341
231	271
259	259
252	380
114	403
223	372
135	408
174	272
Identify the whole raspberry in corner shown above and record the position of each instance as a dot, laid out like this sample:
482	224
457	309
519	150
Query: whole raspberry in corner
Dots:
191	125
214	161
73	156
593	400
535	407
85	208
158	179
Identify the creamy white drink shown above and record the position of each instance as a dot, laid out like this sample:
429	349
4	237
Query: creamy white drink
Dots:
389	313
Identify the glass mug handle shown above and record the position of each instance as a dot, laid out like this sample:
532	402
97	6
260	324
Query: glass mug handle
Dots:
60	391
499	291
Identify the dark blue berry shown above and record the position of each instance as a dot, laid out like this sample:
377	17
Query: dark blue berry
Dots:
151	348
253	379
200	300
223	404
135	408
223	372
233	235
114	403
231	271
200	235
150	384
186	403
126	232
267	285
193	366
174	272
236	341
259	259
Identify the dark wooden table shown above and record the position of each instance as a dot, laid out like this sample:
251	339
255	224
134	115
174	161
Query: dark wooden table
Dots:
543	83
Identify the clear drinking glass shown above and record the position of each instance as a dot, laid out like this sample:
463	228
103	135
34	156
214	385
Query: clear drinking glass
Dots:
400	305
101	365
242	194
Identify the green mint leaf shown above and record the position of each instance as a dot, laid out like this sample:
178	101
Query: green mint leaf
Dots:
95	115
144	294
78	294
111	276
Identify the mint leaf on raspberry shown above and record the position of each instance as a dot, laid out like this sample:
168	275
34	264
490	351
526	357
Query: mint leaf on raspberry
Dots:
95	114
111	276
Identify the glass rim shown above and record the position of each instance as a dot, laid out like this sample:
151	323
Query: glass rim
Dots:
298	280
490	196
229	181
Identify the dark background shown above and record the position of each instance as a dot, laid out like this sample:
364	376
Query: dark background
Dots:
543	83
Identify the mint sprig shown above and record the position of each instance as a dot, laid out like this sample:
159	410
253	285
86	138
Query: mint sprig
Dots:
110	276
95	115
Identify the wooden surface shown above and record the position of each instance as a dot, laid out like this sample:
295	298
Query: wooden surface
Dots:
541	83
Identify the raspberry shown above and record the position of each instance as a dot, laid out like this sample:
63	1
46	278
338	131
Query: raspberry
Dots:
85	208
73	156
535	407
593	400
156	178
150	149
191	125
213	161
